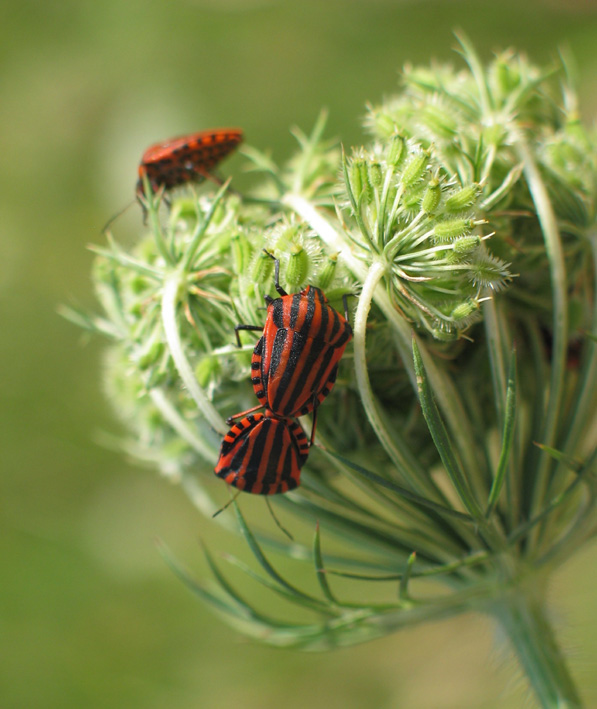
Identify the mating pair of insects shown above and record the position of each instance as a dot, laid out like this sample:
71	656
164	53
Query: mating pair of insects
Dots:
293	367
295	362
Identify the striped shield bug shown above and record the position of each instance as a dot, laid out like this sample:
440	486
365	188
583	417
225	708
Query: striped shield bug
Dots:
263	454
188	158
295	362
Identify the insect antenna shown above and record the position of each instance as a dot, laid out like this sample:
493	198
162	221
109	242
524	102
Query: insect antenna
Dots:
230	501
113	218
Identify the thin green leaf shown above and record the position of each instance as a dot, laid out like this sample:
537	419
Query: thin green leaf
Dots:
151	202
240	607
91	323
403	594
116	255
367	535
402	491
471	560
440	437
261	558
548	509
320	569
303	600
507	437
570	462
314	604
300	552
202	226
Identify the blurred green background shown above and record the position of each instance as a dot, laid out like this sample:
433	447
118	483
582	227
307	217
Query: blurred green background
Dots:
90	616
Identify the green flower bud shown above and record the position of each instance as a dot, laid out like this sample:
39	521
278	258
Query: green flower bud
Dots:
466	245
262	269
327	273
286	239
439	121
384	125
451	229
375	174
414	169
366	182
432	196
493	134
139	284
356	179
507	75
412	198
489	271
465	309
156	378
151	356
463	200
297	267
183	208
444	335
136	309
463	248
397	150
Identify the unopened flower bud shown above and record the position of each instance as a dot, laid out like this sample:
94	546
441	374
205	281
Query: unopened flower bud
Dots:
414	169
432	196
451	229
261	271
397	150
439	121
297	267
462	200
327	273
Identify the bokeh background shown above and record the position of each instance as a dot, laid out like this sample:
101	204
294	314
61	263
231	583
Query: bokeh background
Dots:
90	615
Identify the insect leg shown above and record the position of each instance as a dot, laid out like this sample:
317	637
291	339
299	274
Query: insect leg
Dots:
242	414
253	328
314	424
279	288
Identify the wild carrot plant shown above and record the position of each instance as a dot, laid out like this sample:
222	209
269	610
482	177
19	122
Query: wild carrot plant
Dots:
455	461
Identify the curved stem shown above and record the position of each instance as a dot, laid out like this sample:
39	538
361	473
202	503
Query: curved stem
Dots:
185	371
376	273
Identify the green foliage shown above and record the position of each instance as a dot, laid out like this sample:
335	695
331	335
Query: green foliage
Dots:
464	227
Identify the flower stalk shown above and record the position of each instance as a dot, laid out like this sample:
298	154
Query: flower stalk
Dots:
522	615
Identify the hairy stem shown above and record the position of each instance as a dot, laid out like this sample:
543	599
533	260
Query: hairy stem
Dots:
522	616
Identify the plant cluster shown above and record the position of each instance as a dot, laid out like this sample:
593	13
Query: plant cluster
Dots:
456	457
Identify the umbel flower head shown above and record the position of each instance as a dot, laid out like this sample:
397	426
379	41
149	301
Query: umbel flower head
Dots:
457	449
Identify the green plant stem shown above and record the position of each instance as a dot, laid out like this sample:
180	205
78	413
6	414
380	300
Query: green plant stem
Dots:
522	615
169	302
553	247
375	416
173	417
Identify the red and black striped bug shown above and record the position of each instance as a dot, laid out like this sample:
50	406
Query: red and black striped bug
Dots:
263	454
188	158
295	362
